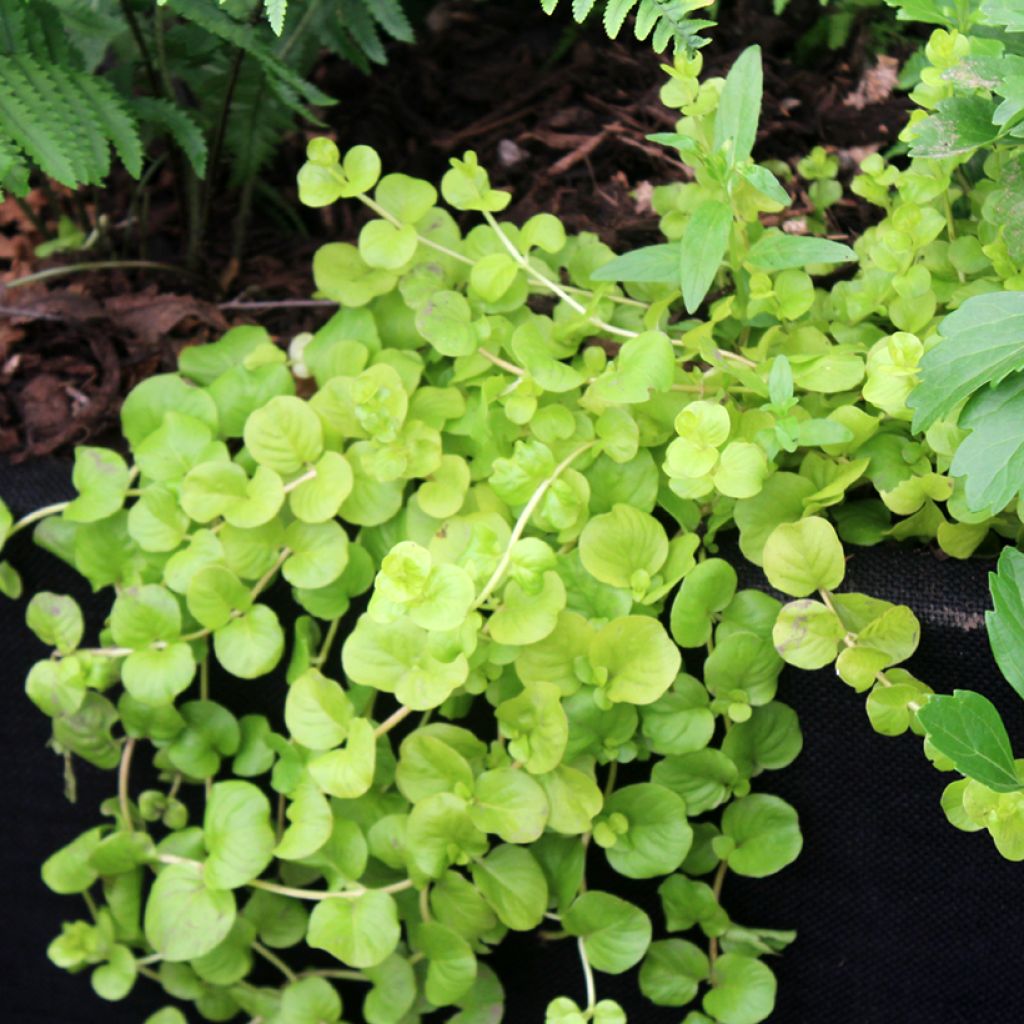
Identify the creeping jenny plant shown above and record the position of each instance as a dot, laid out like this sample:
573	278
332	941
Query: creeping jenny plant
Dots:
491	487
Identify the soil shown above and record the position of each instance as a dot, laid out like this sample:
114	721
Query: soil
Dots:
559	115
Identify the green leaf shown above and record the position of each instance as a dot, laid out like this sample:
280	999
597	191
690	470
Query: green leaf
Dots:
284	435
348	773
656	264
116	978
807	634
615	934
1005	623
394	991
184	918
739	107
769	740
510	804
536	726
396	658
525	617
69	869
144	615
645	365
743	990
428	765
101	478
805	556
360	931
311	824
214	595
991	457
467	186
56	619
702	249
638	658
653	836
251	645
317	711
775	250
310	1001
980	345
439	832
319	554
238	833
446	322
707	590
624	547
514	886
451	965
961	124
318	500
680	721
385	246
156	677
672	971
966	728
764	835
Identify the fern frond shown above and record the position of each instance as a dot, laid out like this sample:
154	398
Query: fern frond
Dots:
615	15
390	16
83	135
221	25
91	29
581	8
47	40
13	170
276	10
664	21
362	28
259	119
117	123
13	35
670	21
177	123
26	120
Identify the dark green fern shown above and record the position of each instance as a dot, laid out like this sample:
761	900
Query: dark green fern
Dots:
663	21
81	82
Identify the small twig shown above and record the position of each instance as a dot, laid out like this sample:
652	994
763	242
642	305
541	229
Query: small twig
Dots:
81	268
277	304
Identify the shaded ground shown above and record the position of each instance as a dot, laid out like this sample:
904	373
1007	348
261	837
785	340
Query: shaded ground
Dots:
558	114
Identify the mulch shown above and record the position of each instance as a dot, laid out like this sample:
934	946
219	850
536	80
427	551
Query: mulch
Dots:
559	115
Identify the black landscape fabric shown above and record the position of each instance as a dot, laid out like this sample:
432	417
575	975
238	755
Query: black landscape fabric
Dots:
900	918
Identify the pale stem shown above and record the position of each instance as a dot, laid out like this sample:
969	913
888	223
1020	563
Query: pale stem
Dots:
34	517
504	364
264	580
552	286
325	647
310	474
272	958
123	773
588	975
716	889
392	720
314	894
287	890
523	520
341	975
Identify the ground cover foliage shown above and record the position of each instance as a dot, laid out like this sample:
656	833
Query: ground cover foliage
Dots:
493	486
